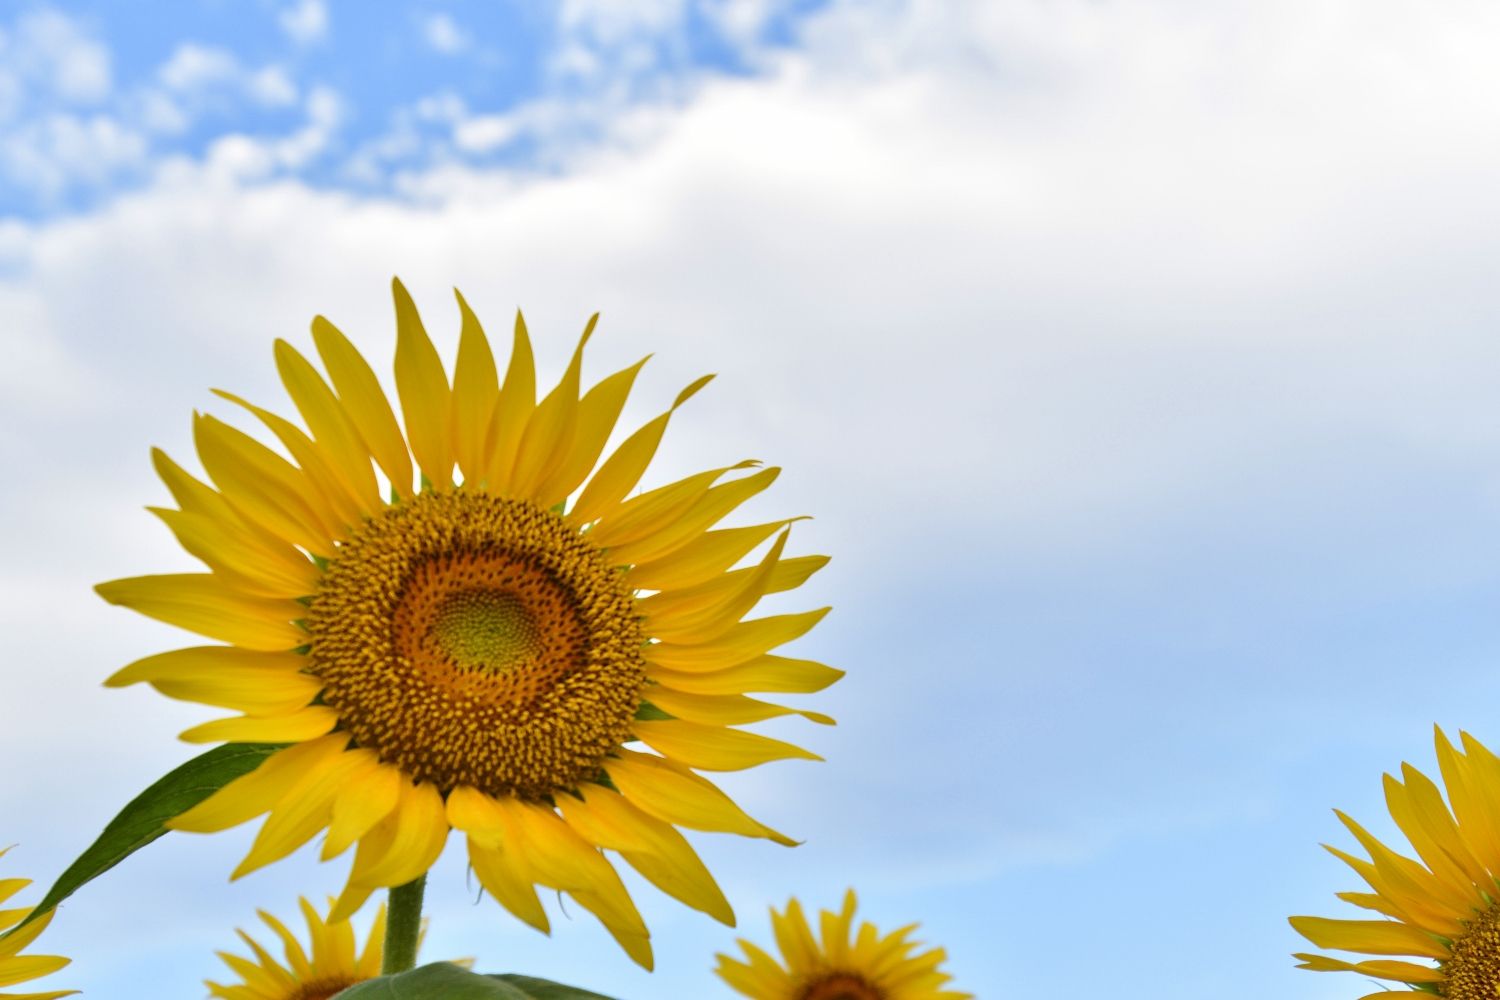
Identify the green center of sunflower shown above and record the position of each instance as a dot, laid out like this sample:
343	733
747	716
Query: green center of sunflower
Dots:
1473	971
486	630
479	640
841	986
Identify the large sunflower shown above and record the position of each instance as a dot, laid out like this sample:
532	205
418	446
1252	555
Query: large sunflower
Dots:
335	964
476	653
16	968
1441	906
870	967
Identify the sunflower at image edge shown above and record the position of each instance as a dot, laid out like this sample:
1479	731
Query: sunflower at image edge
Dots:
1443	906
475	657
870	966
16	968
335	963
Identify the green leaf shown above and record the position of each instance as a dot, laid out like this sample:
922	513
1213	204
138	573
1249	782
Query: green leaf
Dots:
543	989
142	821
445	981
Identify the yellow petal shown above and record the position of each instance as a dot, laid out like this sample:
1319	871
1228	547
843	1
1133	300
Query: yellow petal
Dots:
264	487
624	468
368	797
499	871
562	859
1406	972
700	561
548	438
655	510
714	748
651	847
24	967
420	833
250	795
1373	937
741	643
201	603
512	410
723	709
764	673
277	570
475	389
673	794
708	510
597	413
423	388
296	727
702	621
302	813
360	393
336	504
227	676
331	427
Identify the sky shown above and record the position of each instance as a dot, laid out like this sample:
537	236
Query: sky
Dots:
1137	362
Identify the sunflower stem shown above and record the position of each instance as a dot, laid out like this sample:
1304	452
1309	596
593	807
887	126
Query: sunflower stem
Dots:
403	926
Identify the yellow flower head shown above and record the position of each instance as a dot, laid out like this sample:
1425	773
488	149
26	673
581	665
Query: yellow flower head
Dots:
1441	906
16	968
870	967
475	650
335	963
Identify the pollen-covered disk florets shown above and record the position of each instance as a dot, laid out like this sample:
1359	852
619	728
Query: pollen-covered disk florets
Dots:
479	640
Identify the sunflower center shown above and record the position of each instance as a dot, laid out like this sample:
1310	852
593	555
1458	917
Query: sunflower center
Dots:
479	640
1473	971
486	630
841	986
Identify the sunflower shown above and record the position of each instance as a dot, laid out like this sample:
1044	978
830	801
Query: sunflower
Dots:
335	964
17	968
474	651
1443	905
872	967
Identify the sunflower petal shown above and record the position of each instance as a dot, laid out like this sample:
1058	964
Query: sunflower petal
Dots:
475	389
624	468
423	388
366	403
673	794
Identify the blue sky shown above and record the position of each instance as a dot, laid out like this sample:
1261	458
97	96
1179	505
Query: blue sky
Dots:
1136	360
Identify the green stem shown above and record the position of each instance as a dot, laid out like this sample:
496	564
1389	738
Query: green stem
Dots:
403	927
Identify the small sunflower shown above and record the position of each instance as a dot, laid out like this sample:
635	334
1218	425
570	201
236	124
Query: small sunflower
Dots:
474	650
335	963
1441	906
16	968
871	967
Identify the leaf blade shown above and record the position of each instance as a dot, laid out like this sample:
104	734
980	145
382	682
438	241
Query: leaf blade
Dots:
144	817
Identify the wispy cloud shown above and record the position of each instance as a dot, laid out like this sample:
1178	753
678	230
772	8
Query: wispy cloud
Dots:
305	21
443	34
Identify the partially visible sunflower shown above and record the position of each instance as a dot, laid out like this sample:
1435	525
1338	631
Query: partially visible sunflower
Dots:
16	968
476	652
1441	907
335	963
871	967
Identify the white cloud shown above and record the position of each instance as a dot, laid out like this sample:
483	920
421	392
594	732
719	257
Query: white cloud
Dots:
194	67
51	153
305	21
484	133
272	87
48	56
443	34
